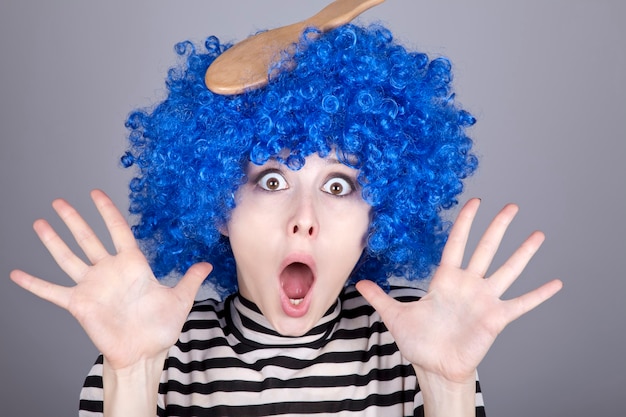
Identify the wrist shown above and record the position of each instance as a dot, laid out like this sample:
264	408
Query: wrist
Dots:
446	397
132	390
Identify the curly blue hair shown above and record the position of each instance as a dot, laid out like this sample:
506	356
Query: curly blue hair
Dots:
354	92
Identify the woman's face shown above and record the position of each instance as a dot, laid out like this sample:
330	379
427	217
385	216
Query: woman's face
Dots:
296	237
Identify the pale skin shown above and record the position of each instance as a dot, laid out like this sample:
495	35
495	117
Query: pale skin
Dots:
133	320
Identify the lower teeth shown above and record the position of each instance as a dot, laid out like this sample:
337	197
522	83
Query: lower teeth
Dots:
295	302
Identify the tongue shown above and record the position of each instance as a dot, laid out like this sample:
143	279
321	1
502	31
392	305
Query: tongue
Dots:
296	280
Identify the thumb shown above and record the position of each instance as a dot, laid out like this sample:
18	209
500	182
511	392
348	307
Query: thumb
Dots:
381	301
189	284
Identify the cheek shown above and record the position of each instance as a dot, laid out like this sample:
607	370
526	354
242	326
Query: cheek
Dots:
252	229
367	222
353	228
361	229
246	214
243	232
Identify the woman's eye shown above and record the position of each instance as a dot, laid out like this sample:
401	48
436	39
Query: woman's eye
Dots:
337	186
272	181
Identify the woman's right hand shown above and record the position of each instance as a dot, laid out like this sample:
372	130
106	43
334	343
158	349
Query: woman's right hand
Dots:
126	312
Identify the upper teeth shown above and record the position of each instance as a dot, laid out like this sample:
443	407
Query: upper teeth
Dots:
295	302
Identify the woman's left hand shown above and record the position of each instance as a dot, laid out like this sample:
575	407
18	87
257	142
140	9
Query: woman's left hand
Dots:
449	331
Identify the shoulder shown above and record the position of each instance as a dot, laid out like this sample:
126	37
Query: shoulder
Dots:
207	318
351	297
406	294
353	304
206	307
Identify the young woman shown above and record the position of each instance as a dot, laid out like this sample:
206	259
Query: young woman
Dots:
298	200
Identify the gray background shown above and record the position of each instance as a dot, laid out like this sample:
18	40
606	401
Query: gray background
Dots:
544	78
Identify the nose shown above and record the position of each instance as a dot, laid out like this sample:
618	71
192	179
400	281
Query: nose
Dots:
304	221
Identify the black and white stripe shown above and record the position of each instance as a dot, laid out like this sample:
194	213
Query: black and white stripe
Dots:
229	362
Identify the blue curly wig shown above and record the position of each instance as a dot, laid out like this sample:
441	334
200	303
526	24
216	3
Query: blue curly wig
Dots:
353	92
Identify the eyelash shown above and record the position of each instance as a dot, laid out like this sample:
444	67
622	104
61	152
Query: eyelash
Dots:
343	181
264	178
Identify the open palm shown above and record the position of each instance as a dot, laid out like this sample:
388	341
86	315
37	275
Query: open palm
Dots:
449	331
126	312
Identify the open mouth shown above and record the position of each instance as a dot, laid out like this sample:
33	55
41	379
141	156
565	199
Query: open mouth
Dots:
296	280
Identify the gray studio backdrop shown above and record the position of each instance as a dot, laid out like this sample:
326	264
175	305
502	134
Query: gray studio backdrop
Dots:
544	78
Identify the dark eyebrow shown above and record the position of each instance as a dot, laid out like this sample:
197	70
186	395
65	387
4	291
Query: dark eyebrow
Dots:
332	161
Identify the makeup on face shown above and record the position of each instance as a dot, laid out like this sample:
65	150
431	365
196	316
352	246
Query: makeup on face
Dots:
296	237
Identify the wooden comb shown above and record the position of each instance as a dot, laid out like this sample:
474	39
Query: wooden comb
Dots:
246	65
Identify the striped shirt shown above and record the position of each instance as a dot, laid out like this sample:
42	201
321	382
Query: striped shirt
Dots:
229	362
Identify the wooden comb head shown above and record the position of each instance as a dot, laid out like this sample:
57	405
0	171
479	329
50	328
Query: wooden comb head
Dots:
246	65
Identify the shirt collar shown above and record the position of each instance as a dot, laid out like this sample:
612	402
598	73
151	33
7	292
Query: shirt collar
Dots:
251	327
